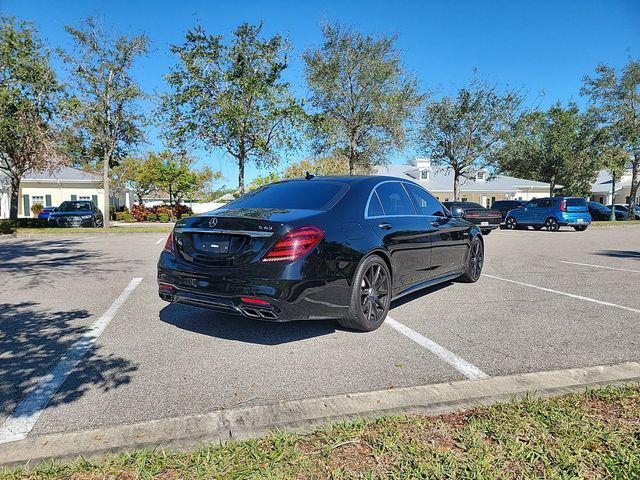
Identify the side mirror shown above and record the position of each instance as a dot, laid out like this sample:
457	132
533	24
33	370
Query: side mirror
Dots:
457	212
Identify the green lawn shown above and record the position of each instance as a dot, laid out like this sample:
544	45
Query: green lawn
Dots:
145	229
595	434
625	223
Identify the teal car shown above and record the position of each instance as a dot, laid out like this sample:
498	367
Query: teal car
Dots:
551	214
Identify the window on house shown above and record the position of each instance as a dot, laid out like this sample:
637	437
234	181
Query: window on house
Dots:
480	175
84	197
37	199
464	199
424	174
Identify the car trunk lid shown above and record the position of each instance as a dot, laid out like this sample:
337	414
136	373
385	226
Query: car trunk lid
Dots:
231	237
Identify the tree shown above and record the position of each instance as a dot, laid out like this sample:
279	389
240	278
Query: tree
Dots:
174	173
560	146
465	132
232	96
361	97
137	174
104	110
614	160
29	94
617	98
328	165
265	180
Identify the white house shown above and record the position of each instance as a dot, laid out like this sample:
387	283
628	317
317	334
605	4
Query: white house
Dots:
601	189
483	188
50	189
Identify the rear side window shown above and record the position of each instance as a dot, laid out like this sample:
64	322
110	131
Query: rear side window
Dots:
427	205
375	208
545	203
576	202
304	195
394	199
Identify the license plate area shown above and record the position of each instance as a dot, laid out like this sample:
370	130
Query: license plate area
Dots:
211	243
484	224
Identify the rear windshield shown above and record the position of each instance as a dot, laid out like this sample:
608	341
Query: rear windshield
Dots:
302	195
576	202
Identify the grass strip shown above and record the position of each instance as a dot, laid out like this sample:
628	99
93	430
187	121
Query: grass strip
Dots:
71	231
595	434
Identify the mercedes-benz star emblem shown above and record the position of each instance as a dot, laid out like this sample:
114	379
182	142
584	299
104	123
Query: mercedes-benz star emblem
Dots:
213	222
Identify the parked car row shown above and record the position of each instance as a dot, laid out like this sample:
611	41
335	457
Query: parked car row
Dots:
73	213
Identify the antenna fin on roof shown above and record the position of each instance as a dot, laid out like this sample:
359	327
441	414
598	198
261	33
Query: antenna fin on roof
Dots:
308	176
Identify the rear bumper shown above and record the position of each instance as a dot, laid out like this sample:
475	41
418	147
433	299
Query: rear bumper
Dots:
575	220
293	292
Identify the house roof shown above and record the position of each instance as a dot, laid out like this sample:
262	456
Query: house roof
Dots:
603	182
442	180
62	174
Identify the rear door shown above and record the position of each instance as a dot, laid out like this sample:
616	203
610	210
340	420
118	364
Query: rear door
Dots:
447	235
404	233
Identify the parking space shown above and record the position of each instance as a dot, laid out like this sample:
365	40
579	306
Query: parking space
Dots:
156	360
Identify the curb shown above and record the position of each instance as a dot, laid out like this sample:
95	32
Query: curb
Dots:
190	432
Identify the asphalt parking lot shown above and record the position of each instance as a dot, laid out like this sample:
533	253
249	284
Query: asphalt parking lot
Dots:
546	301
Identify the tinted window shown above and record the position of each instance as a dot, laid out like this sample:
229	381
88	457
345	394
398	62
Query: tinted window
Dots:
545	203
305	195
395	200
427	205
375	209
576	202
470	205
74	207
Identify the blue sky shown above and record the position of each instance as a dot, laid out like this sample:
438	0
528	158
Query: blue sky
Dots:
544	47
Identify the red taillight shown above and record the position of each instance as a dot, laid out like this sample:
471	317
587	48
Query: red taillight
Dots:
168	245
563	206
254	301
294	244
165	287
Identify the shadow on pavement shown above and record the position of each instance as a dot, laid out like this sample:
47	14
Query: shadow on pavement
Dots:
620	254
237	327
418	294
42	261
32	341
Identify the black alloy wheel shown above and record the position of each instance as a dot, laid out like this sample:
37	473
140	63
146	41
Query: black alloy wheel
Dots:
475	262
370	296
374	293
551	225
511	223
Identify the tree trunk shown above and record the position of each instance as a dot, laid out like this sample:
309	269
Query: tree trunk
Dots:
635	181
15	198
612	215
456	186
170	202
241	175
105	181
552	186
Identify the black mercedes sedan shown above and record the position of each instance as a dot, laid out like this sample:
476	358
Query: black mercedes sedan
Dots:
76	213
324	248
486	219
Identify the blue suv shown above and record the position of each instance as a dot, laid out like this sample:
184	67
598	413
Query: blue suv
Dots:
551	213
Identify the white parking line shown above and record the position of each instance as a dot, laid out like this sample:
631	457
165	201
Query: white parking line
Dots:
468	370
601	266
23	418
160	240
558	292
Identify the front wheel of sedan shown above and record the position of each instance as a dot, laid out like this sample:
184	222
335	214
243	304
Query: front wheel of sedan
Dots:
475	261
370	296
511	223
552	225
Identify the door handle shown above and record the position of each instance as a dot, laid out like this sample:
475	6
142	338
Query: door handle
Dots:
385	226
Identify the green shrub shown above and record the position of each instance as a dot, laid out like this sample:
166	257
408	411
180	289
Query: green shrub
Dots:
152	217
163	217
36	208
7	227
125	217
31	223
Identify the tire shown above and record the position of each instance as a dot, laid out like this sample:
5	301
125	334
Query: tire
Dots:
511	223
537	227
581	228
475	261
551	224
367	308
486	232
